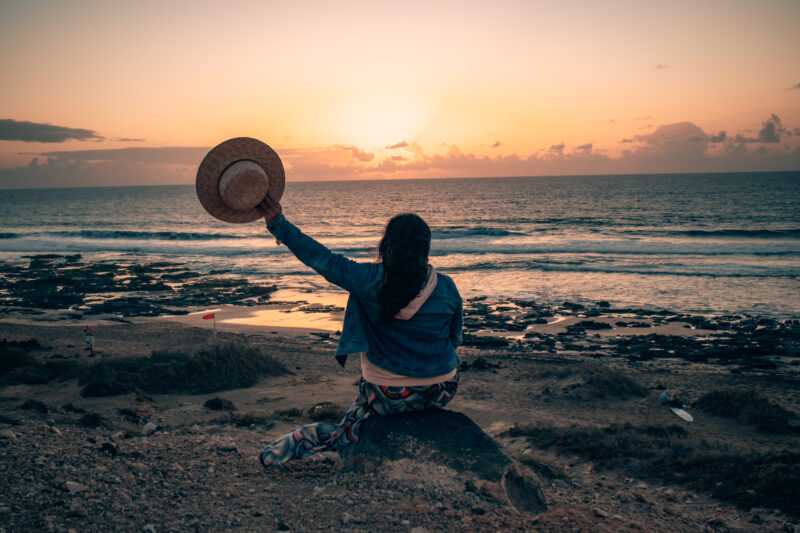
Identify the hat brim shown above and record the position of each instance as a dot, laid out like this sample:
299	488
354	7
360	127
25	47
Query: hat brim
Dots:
224	155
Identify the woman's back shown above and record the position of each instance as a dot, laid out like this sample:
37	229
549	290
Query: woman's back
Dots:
422	345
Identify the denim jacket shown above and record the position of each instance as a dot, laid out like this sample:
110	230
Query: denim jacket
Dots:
423	346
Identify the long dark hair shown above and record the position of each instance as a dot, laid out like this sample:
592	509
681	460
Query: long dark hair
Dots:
403	251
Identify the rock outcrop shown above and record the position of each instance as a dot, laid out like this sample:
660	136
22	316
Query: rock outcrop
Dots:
452	448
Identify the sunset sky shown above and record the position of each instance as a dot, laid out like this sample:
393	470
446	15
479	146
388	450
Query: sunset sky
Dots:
136	92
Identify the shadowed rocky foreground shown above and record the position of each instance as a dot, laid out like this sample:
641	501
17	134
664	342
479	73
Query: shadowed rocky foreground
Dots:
161	432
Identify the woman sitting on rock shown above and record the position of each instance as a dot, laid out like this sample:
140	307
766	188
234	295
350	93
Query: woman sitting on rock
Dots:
403	319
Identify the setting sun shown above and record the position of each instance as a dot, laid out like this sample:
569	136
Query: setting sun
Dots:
374	120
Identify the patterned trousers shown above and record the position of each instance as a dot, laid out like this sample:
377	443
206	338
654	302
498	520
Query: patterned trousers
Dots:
372	399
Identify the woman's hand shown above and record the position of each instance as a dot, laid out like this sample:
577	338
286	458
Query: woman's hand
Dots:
269	208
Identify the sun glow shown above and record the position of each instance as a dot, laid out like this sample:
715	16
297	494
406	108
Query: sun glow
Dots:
375	120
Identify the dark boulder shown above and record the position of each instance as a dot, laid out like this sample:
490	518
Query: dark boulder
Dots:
444	438
93	420
484	341
219	404
437	435
35	405
479	364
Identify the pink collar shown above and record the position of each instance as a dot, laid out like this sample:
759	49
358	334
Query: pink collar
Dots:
413	306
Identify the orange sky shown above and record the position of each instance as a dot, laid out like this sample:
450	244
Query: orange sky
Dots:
471	88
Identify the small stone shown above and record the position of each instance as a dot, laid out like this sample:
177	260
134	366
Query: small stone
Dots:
55	431
325	411
228	447
7	434
406	522
149	428
110	448
600	513
149	528
141	467
73	487
76	510
419	530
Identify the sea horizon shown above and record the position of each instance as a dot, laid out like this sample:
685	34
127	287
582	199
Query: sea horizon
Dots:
438	178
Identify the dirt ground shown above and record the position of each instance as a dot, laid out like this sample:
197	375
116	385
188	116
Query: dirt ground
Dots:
199	472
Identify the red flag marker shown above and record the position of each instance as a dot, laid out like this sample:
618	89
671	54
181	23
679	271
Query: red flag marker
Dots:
212	316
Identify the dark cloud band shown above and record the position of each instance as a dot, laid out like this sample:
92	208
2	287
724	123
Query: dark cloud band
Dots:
16	130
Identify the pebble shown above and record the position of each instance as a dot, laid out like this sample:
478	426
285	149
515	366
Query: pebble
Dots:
600	513
149	528
149	428
7	434
76	510
228	447
73	487
141	467
110	448
419	530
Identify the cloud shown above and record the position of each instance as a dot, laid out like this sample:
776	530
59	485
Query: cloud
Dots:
14	130
648	117
161	155
358	153
795	87
718	138
678	147
401	144
662	66
771	131
496	144
680	140
129	140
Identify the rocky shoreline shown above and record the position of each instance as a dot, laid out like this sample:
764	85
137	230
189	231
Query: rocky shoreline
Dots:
63	286
53	287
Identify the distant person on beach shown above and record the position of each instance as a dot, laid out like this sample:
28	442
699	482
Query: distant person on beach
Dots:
403	319
88	340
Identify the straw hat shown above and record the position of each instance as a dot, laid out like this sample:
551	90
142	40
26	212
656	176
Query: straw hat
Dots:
236	175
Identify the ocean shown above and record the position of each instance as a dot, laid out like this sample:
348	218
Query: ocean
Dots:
705	243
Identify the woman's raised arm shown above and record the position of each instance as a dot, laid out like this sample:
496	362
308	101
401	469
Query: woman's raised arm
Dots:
352	276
